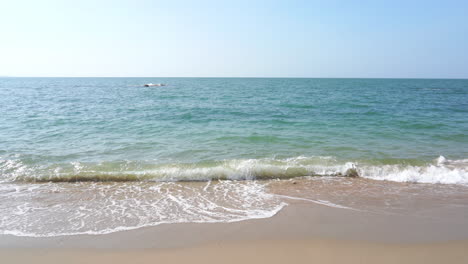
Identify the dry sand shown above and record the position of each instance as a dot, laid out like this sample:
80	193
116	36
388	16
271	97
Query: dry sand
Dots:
300	233
284	251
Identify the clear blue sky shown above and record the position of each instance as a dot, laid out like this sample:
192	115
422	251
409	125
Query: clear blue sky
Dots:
416	39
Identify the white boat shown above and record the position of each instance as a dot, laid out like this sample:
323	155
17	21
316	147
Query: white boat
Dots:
154	84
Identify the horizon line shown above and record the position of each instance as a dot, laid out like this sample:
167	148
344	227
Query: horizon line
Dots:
242	77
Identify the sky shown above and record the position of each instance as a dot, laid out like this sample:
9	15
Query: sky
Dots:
142	38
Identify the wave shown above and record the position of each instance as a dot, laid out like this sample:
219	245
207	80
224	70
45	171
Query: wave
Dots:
440	170
48	210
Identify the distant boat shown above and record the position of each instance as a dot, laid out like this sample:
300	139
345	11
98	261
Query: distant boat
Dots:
154	84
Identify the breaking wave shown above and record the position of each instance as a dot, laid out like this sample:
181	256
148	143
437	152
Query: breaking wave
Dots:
440	170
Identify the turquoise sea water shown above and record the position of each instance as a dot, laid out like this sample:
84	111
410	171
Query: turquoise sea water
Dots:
99	155
90	126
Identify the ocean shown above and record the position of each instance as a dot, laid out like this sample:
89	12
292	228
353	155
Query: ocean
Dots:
100	155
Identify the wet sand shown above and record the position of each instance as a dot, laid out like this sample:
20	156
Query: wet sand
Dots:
303	232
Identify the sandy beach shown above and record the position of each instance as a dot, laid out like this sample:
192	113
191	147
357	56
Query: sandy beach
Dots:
308	251
302	232
234	132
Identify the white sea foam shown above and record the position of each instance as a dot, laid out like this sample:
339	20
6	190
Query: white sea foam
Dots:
320	202
442	171
101	208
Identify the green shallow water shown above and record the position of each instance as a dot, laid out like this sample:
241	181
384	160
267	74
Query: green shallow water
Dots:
48	125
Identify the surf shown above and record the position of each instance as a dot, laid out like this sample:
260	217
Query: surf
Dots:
438	171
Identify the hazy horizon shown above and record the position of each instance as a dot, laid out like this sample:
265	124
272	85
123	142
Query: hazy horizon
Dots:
263	39
235	77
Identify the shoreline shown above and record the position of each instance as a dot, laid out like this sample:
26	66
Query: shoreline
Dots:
301	232
299	220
